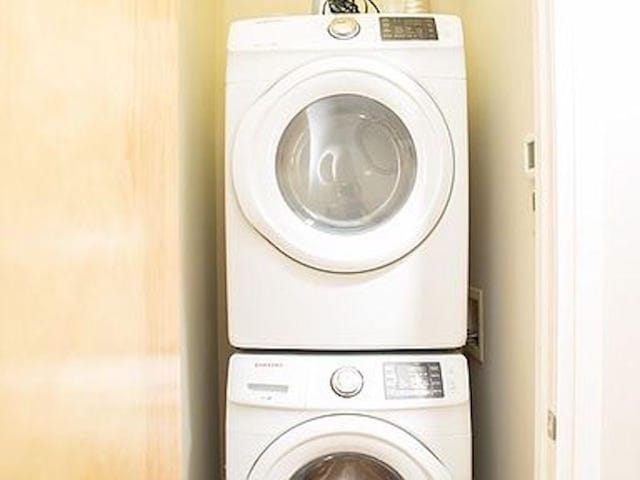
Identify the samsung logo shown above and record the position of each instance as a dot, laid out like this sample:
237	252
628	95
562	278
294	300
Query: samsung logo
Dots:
269	365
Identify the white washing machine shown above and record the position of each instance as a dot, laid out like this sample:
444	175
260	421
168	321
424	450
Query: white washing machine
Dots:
356	417
347	195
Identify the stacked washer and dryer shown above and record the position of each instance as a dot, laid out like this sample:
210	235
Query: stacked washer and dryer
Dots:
347	227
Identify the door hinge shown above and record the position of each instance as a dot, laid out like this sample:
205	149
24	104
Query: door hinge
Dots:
552	425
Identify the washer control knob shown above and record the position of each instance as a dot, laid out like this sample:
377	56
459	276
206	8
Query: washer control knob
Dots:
344	28
347	382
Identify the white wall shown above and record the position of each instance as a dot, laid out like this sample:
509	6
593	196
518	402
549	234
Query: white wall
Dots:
619	84
621	319
607	122
597	106
621	393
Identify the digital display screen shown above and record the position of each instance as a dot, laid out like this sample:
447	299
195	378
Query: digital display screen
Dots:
408	28
413	380
268	387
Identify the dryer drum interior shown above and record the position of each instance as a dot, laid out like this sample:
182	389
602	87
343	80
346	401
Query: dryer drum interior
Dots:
346	466
346	163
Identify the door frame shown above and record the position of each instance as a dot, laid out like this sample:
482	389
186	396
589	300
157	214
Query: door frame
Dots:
545	462
569	260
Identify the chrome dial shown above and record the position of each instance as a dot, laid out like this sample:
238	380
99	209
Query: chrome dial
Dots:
347	382
344	28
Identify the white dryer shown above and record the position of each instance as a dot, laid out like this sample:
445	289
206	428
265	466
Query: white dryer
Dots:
356	417
346	182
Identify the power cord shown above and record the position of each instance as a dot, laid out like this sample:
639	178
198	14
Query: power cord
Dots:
373	4
347	6
341	6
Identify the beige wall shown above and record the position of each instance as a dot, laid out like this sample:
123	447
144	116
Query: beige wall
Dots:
499	43
89	259
500	52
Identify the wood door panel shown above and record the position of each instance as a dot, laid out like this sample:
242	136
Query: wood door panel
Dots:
89	265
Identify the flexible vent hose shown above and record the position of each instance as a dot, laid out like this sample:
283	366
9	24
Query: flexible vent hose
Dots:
416	6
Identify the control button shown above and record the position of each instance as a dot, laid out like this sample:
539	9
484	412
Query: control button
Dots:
344	28
347	382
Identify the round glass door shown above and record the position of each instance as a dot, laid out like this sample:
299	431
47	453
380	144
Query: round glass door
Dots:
346	466
347	447
346	163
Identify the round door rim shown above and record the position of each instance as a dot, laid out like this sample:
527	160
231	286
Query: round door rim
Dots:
414	454
262	203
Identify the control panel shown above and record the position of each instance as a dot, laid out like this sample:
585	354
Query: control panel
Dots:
338	381
408	28
413	380
347	33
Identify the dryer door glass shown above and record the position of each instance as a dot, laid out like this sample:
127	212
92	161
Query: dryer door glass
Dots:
346	466
346	163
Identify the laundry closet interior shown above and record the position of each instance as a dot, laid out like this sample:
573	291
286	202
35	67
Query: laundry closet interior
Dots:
499	49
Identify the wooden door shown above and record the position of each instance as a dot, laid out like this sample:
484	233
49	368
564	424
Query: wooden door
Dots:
89	264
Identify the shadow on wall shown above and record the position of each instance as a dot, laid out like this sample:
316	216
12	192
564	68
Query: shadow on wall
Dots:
199	65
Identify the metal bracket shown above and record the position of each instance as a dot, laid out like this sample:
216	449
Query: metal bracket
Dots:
552	425
475	324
